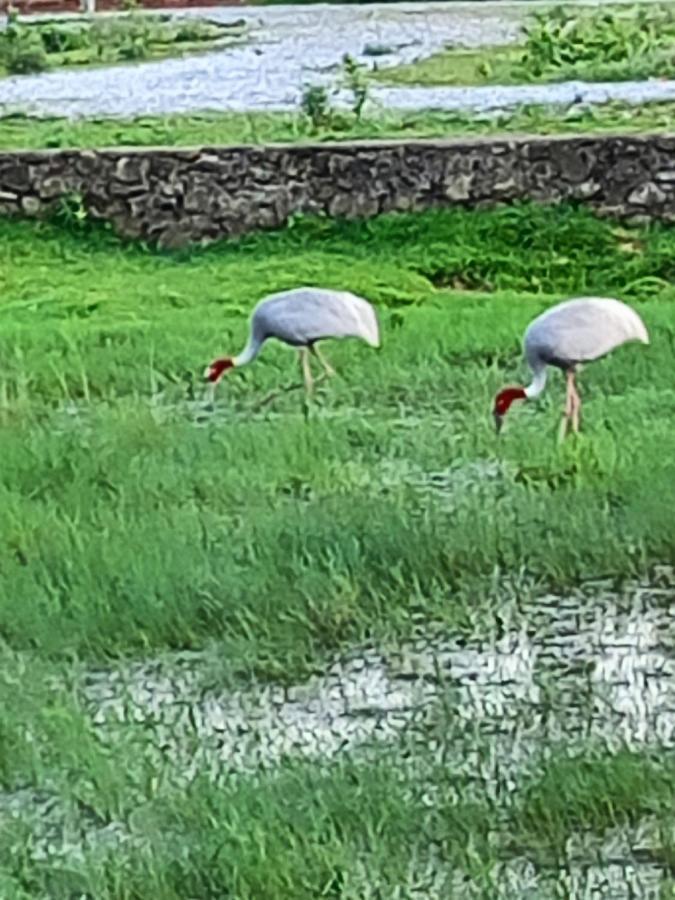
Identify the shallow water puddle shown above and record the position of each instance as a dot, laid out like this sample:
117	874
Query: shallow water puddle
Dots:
288	46
353	701
53	829
616	867
577	667
557	670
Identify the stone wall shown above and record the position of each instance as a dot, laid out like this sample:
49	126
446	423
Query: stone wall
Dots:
174	197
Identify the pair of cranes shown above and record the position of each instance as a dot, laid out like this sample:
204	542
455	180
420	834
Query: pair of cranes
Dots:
565	336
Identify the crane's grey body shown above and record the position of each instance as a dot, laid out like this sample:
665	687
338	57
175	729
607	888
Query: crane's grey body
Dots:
579	331
303	316
571	333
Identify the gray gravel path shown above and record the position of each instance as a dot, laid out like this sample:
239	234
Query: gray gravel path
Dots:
509	97
288	48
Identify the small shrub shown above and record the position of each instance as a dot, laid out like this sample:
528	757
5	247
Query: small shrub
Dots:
70	213
57	38
191	30
125	37
356	82
25	59
315	104
21	50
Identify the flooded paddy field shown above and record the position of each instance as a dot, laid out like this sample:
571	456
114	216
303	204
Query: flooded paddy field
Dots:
358	647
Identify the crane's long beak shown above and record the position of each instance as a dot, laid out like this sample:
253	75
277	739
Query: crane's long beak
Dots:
498	422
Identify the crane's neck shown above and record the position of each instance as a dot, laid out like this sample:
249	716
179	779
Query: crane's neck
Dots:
538	383
249	353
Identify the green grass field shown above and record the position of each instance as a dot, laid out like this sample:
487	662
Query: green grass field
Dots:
24	132
136	523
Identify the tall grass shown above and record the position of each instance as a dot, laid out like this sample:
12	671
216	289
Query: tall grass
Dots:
127	527
136	522
592	792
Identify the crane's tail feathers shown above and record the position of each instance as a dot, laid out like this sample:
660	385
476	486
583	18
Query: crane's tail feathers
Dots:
374	338
642	336
641	333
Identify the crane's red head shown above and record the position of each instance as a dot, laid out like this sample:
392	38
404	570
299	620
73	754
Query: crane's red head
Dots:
217	368
503	401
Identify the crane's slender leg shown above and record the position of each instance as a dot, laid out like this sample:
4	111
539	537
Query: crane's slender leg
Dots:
306	370
576	405
210	396
562	431
329	370
569	405
307	381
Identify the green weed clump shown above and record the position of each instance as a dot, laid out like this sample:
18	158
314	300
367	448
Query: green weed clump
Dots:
21	51
605	44
608	43
592	792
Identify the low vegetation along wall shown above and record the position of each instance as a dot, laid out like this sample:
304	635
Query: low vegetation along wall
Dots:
174	197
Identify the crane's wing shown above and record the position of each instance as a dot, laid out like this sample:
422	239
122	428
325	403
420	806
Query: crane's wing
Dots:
582	330
308	314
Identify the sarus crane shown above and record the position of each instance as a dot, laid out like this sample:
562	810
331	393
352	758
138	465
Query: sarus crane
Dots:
301	318
565	336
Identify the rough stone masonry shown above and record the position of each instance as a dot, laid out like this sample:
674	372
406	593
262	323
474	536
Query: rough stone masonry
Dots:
176	197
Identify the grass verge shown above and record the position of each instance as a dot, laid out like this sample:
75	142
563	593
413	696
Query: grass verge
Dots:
24	132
